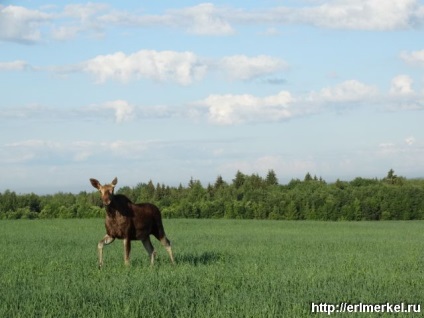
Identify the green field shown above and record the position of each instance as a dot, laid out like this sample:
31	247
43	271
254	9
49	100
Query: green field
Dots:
225	268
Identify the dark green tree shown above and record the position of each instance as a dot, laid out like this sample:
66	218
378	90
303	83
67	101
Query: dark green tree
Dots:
239	179
308	177
271	178
219	182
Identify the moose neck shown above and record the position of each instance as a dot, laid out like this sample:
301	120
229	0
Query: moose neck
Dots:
118	203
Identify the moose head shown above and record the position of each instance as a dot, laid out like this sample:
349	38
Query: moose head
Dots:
106	190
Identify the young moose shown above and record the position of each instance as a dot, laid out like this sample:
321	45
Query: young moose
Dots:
128	221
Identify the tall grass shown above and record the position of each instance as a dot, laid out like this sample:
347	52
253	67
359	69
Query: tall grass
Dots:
225	268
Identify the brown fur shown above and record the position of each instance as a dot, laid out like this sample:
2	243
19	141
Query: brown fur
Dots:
129	221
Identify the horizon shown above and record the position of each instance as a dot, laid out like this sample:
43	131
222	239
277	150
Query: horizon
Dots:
204	184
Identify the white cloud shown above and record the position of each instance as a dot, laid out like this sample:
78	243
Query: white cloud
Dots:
84	150
14	66
158	111
408	147
244	68
123	110
404	156
66	32
410	140
63	152
402	95
181	67
29	111
234	109
359	14
131	19
401	85
402	103
271	31
346	92
27	150
34	144
377	15
229	109
79	18
386	145
336	14
128	149
202	19
414	57
84	12
19	24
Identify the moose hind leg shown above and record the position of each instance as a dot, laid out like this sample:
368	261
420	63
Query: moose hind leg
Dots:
167	244
150	249
127	250
105	241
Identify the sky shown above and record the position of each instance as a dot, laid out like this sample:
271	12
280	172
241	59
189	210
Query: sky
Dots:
173	90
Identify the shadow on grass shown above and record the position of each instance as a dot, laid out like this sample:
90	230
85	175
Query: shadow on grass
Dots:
205	258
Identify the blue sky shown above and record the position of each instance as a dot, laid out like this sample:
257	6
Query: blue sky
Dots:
172	90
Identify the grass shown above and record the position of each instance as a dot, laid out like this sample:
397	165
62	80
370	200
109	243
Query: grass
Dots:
225	268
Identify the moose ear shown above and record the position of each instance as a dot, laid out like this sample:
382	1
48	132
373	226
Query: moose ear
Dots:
95	183
115	181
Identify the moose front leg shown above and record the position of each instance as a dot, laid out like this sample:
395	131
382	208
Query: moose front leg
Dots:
127	250
105	241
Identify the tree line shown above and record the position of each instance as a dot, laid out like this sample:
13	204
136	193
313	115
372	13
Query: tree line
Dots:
245	197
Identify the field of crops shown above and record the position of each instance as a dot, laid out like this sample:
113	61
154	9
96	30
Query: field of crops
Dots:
225	268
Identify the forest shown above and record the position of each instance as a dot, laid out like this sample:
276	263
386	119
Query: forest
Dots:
245	197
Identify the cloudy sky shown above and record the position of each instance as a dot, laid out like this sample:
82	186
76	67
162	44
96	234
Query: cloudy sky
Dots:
169	90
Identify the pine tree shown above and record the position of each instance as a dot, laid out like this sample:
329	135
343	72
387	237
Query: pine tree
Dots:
308	177
238	181
219	182
271	178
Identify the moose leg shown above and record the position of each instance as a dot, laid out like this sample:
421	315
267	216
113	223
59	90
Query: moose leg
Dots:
105	241
150	249
127	249
167	244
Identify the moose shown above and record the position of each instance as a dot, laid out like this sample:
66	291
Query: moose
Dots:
129	221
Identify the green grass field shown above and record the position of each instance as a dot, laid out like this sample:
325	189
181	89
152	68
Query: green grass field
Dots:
225	268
